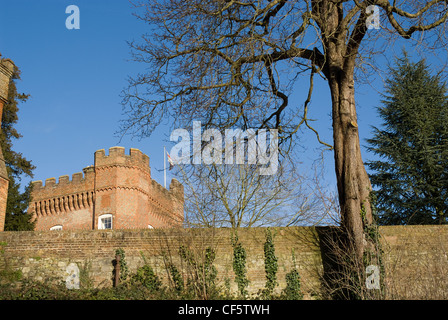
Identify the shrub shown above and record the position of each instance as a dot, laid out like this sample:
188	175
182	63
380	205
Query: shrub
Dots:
146	277
292	290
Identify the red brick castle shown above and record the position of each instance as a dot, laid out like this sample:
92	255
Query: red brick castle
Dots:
117	192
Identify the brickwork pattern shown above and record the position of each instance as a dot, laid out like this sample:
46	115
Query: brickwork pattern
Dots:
4	183
117	184
46	254
6	71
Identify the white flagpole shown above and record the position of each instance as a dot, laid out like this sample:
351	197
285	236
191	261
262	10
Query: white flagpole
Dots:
164	166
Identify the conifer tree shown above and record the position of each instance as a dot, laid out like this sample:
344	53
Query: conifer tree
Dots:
412	174
17	165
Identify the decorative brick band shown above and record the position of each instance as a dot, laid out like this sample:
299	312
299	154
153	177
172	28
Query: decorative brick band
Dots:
64	204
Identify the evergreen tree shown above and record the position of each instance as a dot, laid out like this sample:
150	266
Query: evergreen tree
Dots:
17	218
17	165
412	175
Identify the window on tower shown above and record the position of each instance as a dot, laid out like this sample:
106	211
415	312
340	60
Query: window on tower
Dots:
105	221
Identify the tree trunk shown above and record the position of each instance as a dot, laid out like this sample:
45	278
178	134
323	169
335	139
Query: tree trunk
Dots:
352	180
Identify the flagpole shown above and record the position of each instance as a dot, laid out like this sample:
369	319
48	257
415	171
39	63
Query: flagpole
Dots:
164	166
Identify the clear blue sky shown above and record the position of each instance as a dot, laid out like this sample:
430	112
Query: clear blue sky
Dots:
75	77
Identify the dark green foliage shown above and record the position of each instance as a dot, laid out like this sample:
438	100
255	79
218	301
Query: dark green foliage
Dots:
17	218
176	278
210	271
239	266
123	264
17	166
145	276
270	265
293	290
411	177
10	275
31	290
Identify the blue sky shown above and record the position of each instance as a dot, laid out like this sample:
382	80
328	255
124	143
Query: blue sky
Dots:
75	77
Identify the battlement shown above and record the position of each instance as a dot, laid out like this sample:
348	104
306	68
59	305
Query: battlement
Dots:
78	177
84	181
118	184
177	189
80	182
117	156
157	187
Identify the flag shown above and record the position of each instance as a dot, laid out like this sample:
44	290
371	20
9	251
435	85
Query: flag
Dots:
170	161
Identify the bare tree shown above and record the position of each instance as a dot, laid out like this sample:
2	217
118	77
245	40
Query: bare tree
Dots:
238	195
235	63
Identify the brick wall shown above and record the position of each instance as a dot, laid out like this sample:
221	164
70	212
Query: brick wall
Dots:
6	71
412	253
4	183
416	261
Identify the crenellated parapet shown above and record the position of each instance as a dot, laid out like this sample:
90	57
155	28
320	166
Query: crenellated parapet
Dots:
169	204
118	185
177	189
65	195
118	157
81	181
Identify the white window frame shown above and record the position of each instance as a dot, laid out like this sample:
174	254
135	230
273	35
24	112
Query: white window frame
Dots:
101	224
56	227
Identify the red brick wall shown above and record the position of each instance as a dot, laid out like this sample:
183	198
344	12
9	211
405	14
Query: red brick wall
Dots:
47	254
67	203
118	184
415	257
3	198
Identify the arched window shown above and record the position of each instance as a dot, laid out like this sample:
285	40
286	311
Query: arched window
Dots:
105	221
54	228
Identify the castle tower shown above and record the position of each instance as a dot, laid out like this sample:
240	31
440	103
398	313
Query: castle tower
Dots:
117	192
122	185
6	72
